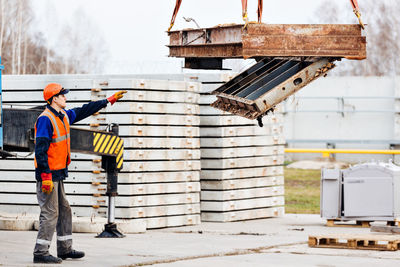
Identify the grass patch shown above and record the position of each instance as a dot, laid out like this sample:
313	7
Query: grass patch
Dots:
302	191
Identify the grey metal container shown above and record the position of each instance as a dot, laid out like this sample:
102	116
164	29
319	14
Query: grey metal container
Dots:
330	193
364	192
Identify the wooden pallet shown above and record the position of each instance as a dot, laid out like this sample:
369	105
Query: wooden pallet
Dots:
363	224
352	241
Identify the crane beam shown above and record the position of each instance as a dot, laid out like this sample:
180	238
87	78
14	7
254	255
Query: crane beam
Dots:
269	40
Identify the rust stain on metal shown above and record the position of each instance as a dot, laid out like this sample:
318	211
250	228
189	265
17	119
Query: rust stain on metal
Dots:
261	40
305	29
251	110
207	50
302	52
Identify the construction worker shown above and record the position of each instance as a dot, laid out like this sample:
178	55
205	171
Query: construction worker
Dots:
52	157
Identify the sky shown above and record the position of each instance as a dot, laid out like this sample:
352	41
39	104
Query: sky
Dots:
135	30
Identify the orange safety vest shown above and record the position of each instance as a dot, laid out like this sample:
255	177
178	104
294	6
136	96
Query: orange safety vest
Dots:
59	153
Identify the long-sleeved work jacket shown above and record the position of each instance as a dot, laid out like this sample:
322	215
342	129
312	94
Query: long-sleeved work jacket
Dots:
44	133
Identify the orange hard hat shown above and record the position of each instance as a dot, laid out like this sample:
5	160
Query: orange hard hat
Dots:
53	89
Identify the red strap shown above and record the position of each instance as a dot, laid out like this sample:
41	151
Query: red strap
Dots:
260	10
356	10
354	4
244	7
176	9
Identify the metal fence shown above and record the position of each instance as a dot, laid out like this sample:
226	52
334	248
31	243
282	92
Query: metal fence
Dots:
344	113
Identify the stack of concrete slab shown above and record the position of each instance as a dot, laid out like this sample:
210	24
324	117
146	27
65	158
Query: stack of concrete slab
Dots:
159	123
242	163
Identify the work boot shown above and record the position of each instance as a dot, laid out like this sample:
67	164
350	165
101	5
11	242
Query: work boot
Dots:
46	259
74	254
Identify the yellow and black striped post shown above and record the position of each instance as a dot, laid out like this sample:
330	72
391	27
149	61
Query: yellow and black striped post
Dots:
108	144
100	143
111	147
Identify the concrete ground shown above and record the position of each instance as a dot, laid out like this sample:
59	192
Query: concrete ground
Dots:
269	242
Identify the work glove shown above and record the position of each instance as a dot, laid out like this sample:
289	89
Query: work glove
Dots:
47	183
118	95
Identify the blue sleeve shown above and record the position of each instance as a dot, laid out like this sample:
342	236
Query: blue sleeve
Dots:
42	143
86	110
71	115
44	128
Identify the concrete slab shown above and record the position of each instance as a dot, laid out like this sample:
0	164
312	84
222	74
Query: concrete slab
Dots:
20	222
269	242
26	222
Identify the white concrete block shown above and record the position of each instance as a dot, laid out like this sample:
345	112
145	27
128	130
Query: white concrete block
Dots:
234	152
121	201
168	97
143	119
162	142
136	166
241	173
176	154
242	215
241	193
96	225
255	203
231	120
242	162
160	108
123	189
172	221
242	183
270	129
17	222
124	177
104	82
157	131
244	141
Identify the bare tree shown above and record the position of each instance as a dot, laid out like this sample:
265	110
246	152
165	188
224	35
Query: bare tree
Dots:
327	12
89	47
19	36
382	32
80	48
2	14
